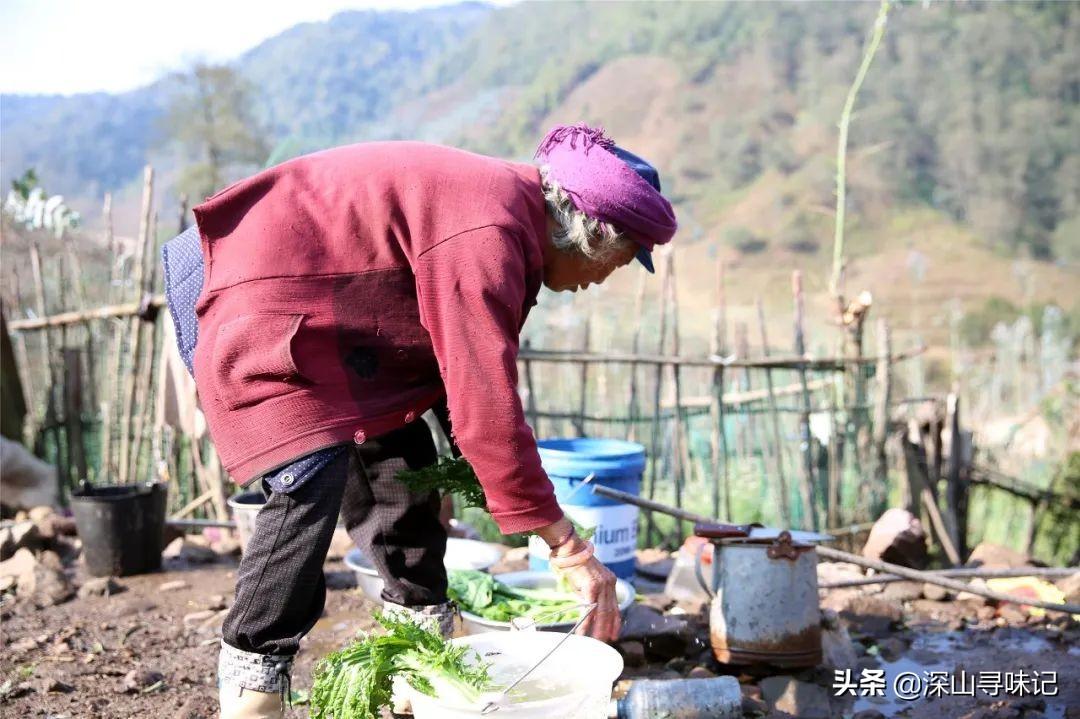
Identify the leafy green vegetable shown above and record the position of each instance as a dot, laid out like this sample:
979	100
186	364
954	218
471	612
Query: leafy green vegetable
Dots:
356	682
482	594
450	476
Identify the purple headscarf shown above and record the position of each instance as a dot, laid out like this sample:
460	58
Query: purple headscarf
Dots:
603	186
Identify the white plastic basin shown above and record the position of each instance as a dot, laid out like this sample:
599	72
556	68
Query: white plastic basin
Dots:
585	667
460	554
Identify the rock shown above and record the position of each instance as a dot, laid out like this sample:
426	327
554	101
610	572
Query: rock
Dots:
173	586
20	564
801	699
139	679
898	537
202	706
976	600
217	602
23	645
935	593
55	686
828	572
994	556
19	535
187	550
872	616
194	619
700	672
891	648
1070	587
664	637
633	653
837	599
902	591
868	714
752	703
1012	614
99	587
43	581
837	649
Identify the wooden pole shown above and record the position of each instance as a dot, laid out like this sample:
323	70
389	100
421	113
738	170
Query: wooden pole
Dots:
654	444
635	348
579	423
879	494
718	444
684	461
145	376
954	491
127	402
785	509
804	421
51	381
73	403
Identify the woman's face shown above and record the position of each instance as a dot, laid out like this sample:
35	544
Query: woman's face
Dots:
572	271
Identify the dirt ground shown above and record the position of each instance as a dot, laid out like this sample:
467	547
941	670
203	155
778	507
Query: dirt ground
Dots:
151	650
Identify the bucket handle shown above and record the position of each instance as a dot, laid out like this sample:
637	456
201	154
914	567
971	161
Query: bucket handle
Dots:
698	571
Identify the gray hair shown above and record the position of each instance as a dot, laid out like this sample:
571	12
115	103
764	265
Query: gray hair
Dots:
576	231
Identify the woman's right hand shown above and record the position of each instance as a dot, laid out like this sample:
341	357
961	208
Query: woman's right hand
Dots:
595	584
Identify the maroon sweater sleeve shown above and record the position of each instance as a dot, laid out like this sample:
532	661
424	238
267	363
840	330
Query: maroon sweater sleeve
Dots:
471	289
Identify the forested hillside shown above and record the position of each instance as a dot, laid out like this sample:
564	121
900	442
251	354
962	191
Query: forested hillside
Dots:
972	110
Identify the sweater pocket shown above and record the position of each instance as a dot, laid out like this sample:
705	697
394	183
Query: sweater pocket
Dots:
253	359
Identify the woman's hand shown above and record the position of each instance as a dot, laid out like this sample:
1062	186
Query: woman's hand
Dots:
587	577
595	583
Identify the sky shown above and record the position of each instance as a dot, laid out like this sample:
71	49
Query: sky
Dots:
70	46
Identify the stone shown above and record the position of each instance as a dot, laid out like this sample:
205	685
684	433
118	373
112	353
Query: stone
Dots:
187	550
138	680
898	537
891	648
55	686
173	586
194	619
1070	587
934	592
987	555
902	591
43	581
752	703
700	672
217	602
1012	614
633	653
829	572
976	600
20	564
99	587
872	616
664	637
837	649
801	699
19	535
868	714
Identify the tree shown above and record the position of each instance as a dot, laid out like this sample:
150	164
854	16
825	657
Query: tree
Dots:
211	119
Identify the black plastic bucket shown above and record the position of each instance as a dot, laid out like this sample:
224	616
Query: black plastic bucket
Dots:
122	528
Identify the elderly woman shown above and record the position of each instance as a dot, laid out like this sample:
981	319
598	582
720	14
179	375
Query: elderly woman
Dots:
347	292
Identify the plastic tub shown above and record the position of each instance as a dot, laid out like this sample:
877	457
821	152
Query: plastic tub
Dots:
245	507
460	554
474	624
613	463
122	528
586	666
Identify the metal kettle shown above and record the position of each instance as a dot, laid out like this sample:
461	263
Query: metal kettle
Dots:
764	597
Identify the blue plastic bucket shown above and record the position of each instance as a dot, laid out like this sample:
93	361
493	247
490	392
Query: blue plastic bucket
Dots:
616	464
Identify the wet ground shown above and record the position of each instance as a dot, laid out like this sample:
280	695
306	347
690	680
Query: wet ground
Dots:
151	650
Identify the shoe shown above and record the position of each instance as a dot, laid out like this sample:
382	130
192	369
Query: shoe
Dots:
240	703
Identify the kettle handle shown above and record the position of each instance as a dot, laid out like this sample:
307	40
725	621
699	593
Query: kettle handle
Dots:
698	571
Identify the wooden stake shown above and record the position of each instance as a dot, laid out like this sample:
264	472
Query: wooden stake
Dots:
654	444
73	411
718	442
879	495
127	402
635	347
681	448
534	419
579	423
807	486
774	416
